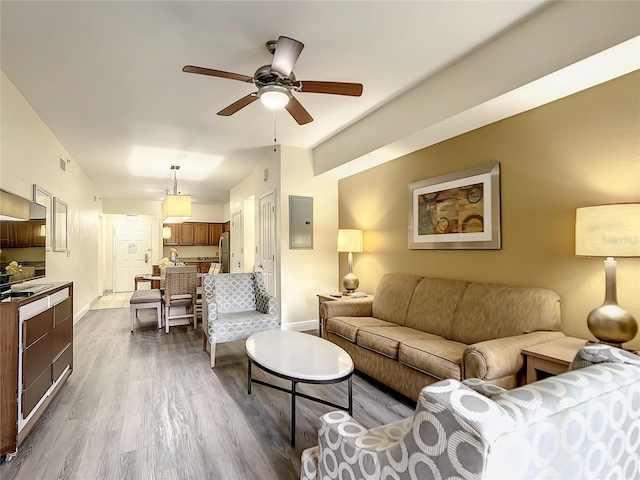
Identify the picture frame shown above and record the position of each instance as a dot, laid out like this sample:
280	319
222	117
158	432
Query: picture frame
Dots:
44	198
60	212
457	211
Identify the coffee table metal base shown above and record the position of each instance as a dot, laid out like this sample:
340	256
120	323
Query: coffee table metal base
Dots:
294	393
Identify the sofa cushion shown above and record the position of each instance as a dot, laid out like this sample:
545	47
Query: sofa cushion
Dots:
439	358
386	340
488	311
393	294
433	305
347	327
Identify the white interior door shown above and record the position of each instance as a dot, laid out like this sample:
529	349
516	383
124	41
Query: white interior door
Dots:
267	241
131	255
237	244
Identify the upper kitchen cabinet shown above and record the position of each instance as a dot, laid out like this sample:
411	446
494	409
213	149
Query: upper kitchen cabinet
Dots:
174	239
215	230
194	233
201	234
186	233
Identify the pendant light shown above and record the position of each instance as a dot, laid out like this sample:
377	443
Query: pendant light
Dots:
176	208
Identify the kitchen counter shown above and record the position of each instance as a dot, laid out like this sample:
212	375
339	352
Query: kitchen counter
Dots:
199	259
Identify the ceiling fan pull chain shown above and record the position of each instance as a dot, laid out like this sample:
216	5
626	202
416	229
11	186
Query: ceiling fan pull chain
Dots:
275	136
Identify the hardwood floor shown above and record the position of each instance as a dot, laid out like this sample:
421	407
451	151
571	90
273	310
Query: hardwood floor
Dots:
147	405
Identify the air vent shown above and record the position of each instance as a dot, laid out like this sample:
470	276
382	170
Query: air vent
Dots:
63	165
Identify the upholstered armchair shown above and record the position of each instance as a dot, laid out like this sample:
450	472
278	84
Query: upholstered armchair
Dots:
580	424
234	307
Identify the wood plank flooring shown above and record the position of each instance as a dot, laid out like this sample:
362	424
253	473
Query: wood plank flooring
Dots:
147	405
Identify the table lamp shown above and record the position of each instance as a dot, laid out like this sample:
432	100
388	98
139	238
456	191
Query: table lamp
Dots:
609	231
350	240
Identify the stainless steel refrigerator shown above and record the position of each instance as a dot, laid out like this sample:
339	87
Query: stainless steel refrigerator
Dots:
223	249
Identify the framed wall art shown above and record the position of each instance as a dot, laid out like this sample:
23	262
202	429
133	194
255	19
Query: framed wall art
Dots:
59	225
44	198
459	210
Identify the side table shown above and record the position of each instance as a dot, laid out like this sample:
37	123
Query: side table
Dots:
551	357
327	297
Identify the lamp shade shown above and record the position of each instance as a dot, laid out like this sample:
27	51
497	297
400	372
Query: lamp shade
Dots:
176	208
608	230
349	240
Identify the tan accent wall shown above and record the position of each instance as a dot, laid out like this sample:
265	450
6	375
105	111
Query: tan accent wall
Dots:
581	150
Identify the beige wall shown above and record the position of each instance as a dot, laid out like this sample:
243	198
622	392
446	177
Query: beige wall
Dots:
30	153
581	150
300	274
305	273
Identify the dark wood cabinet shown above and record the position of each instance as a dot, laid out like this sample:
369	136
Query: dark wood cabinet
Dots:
186	233
194	233
36	339
174	239
226	227
215	230
201	234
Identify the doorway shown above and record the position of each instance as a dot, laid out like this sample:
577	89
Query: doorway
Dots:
132	255
267	241
237	243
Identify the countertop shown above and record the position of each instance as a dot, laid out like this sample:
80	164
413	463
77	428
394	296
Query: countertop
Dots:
198	259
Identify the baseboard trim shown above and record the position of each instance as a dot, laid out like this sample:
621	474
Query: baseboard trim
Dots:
303	326
81	313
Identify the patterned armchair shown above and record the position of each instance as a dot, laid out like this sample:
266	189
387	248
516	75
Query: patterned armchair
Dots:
581	424
234	307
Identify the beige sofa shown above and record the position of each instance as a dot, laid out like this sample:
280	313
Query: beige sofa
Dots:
418	330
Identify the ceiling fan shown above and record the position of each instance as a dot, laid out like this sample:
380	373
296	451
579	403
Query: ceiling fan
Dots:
276	82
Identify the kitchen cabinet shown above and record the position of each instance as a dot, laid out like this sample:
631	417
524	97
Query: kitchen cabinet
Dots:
186	233
226	227
193	233
174	239
36	358
201	234
215	230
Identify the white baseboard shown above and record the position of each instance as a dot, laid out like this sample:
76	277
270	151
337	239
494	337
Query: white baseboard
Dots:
81	313
301	326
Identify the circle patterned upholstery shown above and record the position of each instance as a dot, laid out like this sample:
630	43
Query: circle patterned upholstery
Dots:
582	424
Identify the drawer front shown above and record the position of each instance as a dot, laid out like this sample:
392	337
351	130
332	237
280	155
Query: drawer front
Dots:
36	327
60	363
61	312
58	296
62	336
32	309
32	395
36	359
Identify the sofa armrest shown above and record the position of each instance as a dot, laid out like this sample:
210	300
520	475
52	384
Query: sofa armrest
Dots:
354	307
501	357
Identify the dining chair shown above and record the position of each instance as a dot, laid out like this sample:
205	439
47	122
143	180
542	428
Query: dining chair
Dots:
180	294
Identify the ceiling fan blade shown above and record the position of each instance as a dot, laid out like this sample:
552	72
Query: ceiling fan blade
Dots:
217	73
286	55
235	106
333	88
298	112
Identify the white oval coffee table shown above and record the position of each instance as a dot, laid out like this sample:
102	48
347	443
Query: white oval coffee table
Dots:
299	358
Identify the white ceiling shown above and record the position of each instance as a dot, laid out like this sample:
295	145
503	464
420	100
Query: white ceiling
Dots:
106	77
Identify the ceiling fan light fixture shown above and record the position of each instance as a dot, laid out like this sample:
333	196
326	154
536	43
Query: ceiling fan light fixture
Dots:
274	96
